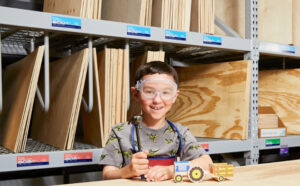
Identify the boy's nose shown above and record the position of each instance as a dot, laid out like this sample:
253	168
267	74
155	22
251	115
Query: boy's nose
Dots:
157	97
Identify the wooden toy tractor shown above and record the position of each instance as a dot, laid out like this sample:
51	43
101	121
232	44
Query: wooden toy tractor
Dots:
218	171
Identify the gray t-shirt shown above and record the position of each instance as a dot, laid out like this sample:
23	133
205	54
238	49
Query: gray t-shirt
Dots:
161	142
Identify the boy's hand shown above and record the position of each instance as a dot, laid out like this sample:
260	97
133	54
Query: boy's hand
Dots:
160	173
138	165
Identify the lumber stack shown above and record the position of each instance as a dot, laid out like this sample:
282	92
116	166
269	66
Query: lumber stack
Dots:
296	22
79	8
19	88
203	16
279	89
113	67
57	127
128	11
274	19
172	14
214	99
148	56
92	121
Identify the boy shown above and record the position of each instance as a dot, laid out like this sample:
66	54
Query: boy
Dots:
150	147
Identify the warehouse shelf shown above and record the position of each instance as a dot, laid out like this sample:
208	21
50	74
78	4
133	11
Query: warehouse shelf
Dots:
99	28
56	158
281	50
288	141
219	146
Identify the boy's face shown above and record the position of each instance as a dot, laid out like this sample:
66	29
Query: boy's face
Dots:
156	96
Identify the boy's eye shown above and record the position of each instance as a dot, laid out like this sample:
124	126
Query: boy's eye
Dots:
149	91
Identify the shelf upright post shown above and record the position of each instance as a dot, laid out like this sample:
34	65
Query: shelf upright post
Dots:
89	108
251	21
1	98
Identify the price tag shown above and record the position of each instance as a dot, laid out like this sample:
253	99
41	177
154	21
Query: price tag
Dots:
274	47
175	35
284	150
138	31
78	157
205	147
212	40
32	160
66	22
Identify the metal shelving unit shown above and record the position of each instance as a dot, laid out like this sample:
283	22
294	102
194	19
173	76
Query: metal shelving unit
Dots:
15	22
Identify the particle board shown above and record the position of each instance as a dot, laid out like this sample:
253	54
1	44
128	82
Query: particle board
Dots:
56	127
214	99
19	87
279	89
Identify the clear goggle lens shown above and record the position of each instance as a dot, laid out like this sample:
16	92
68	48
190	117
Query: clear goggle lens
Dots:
150	88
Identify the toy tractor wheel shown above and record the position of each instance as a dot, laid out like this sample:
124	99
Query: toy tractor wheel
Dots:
196	174
178	178
220	178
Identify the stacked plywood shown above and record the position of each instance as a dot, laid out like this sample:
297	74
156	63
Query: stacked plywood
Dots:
274	19
203	16
57	126
148	56
128	11
172	14
92	121
296	22
113	67
214	99
20	83
280	90
79	8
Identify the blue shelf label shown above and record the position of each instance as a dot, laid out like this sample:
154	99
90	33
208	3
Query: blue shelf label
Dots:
175	35
138	31
212	40
272	142
274	47
66	22
284	150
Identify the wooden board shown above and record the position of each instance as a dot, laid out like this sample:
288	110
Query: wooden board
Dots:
280	89
214	99
92	121
296	22
54	126
274	19
267	174
19	86
67	7
128	11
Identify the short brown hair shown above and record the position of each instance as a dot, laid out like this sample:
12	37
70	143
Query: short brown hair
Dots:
155	67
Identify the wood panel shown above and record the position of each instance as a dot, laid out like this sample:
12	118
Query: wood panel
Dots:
214	100
67	76
274	19
92	121
19	87
296	22
280	89
128	11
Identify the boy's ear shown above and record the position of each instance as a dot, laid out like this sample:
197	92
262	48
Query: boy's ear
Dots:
134	92
174	99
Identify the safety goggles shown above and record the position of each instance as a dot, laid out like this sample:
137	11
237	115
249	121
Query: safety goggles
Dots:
150	88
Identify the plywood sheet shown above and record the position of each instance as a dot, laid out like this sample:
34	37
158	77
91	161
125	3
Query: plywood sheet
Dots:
19	86
280	89
296	22
54	126
214	100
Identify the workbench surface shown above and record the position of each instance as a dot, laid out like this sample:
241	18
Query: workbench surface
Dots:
285	173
